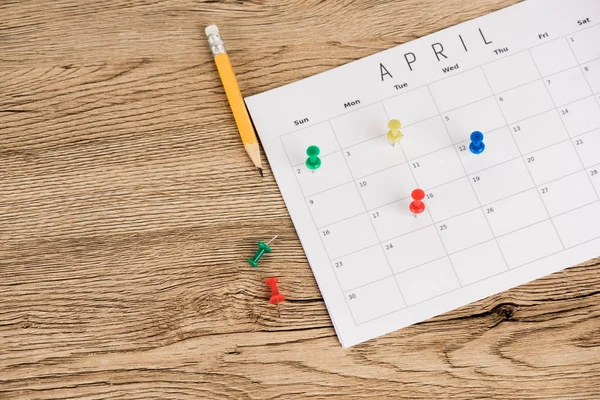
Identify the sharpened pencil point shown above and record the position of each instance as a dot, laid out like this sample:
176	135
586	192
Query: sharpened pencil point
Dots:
260	172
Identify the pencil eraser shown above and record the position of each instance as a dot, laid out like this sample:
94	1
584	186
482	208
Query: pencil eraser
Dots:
211	30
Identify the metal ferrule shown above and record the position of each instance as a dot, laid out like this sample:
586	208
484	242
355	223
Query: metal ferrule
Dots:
216	44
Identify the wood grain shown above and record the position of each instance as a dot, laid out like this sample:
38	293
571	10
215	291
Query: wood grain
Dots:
127	207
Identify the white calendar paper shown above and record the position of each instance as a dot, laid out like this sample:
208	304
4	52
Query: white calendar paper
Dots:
528	77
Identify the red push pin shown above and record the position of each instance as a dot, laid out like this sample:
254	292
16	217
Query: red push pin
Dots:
417	206
276	297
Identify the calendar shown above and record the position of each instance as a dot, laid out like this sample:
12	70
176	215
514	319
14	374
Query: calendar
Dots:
528	78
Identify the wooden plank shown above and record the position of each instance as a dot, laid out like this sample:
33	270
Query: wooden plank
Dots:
128	207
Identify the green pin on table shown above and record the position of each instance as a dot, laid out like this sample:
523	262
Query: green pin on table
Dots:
262	249
313	162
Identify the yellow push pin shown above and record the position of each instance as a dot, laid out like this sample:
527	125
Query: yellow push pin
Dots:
394	135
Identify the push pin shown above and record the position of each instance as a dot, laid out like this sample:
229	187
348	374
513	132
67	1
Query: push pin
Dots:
276	297
262	249
394	135
417	206
477	146
313	162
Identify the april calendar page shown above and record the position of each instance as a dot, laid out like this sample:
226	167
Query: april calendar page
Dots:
528	78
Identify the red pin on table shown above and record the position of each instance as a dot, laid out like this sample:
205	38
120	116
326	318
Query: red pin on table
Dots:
417	206
276	297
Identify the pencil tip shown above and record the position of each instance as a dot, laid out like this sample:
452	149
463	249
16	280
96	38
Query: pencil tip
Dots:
260	172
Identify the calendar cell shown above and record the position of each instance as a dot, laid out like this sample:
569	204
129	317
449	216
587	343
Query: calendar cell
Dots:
581	116
436	168
361	161
374	300
459	90
425	137
352	270
510	72
501	181
553	162
414	249
525	101
483	116
386	186
350	234
335	204
360	125
451	199
585	44
516	212
296	143
333	172
529	244
591	71
538	132
574	227
588	147
464	231
396	219
504	149
411	107
553	57
567	86
427	281
568	193
478	262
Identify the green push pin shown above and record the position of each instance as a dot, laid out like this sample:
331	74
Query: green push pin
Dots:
262	249
313	162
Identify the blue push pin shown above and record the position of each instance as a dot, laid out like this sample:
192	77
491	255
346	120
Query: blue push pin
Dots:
477	146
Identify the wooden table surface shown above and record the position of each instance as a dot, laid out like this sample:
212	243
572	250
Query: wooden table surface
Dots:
128	207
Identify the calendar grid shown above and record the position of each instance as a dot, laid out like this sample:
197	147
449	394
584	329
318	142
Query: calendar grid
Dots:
595	98
475	282
470	183
434	116
370	221
448	254
321	239
523	157
432	188
458	215
407	161
454	180
447	77
563	122
466	212
426	208
469	247
583	72
481	206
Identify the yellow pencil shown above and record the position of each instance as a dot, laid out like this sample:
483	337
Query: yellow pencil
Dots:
236	101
